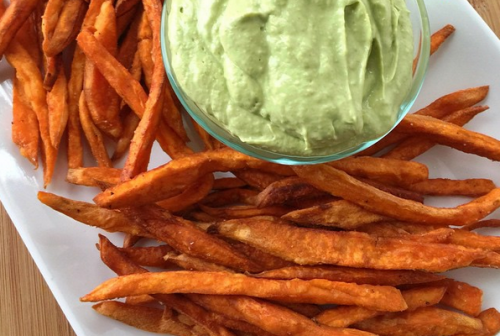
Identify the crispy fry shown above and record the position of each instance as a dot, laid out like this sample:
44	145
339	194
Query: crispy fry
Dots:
392	172
102	101
462	296
471	239
93	135
130	124
186	238
172	115
417	145
144	318
447	187
224	283
50	18
90	214
356	275
150	256
244	211
259	180
396	191
69	22
452	135
308	310
51	68
128	45
25	132
438	38
145	48
57	103
492	223
12	20
352	249
423	321
228	183
272	318
29	76
341	214
194	264
285	190
491	321
231	196
193	194
93	176
340	184
265	260
344	316
174	176
75	85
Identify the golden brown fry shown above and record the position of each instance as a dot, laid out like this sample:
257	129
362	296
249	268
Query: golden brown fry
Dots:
144	318
194	264
471	239
441	107
452	135
69	22
224	283
102	100
462	296
491	260
272	318
352	249
75	85
150	256
244	211
356	275
344	316
29	76
447	187
186	238
228	183
259	180
265	260
422	322
341	214
340	184
287	189
90	214
417	145
25	132
191	195
57	103
438	38
12	20
231	196
93	176
176	175
93	135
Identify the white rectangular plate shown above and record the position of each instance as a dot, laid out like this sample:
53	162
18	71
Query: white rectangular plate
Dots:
65	250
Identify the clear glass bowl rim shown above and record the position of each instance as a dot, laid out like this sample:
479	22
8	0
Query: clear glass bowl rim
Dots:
213	127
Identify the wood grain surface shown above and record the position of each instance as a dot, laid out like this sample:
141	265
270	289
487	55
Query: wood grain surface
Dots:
27	307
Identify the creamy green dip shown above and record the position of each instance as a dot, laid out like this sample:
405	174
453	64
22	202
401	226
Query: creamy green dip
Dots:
299	77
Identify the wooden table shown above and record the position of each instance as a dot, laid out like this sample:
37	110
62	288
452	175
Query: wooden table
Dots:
27	307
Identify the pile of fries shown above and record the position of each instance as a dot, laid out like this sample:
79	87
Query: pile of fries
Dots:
344	248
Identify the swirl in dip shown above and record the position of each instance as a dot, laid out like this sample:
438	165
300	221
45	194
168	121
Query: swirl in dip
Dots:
298	77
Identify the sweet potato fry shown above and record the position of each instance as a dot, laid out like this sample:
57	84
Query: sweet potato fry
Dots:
231	196
171	114
341	214
451	135
124	6
356	275
176	175
144	318
191	195
93	135
186	238
51	67
438	38
150	256
205	137
308	310
265	260
417	145
340	184
491	260
12	20
69	22
130	123
128	46
259	180
396	191
93	176
471	239
25	132
491	321
344	316
224	283
491	223
244	211
75	85
388	171
57	103
121	265
130	90
447	187
102	100
441	107
30	78
423	321
272	318
194	264
285	190
145	48
90	214
50	18
352	249
462	296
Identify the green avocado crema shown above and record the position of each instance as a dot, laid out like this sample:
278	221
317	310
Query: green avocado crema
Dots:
298	77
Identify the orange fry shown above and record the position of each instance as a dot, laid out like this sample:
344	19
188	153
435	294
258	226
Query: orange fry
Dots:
93	176
57	103
25	132
342	185
352	249
191	195
224	283
447	187
438	38
285	190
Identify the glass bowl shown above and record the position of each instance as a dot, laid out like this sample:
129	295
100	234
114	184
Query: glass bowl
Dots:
421	38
